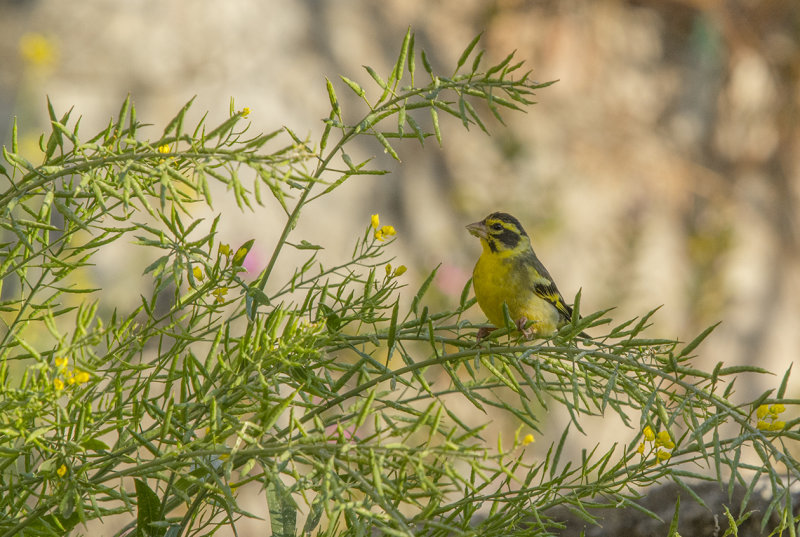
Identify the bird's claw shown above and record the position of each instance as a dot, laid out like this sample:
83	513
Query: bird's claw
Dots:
527	332
484	331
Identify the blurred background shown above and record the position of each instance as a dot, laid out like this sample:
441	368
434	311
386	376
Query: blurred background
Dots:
663	169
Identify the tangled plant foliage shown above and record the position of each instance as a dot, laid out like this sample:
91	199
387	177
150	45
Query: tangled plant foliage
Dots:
318	389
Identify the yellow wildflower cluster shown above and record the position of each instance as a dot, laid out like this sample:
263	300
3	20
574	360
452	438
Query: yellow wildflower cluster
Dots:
768	417
68	376
62	470
245	112
399	271
381	232
662	443
163	149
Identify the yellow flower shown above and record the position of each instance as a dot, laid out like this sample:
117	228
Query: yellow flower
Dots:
663	439
640	449
776	409
663	455
219	294
777	425
197	272
225	249
762	425
62	470
58	384
245	112
383	232
528	439
163	149
38	50
375	221
762	411
649	435
61	362
388	269
81	377
399	271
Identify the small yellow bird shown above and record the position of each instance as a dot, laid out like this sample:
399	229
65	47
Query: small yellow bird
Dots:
508	272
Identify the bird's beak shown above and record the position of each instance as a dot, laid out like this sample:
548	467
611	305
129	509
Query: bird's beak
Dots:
479	230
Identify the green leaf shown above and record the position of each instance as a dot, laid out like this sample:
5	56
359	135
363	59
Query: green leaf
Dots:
282	509
673	526
467	51
176	123
435	120
390	339
332	97
148	510
411	59
401	59
305	245
696	341
423	289
241	253
94	444
376	77
426	64
385	143
358	90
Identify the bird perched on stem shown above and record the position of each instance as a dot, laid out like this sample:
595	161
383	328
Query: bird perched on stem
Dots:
508	272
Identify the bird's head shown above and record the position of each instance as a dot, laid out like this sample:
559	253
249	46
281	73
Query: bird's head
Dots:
500	233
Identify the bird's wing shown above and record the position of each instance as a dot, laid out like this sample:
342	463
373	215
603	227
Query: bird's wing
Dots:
548	291
545	288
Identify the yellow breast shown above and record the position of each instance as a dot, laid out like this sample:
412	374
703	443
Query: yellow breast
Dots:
498	279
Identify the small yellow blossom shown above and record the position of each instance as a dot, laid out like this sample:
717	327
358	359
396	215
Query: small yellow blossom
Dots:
399	271
245	112
163	149
81	377
388	269
663	455
776	409
528	439
384	232
777	425
61	362
649	435
38	50
70	375
640	449
219	294
768	417
375	221
197	272
663	439
62	470
58	384
225	249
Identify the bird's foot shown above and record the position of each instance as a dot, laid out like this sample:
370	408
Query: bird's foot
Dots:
484	331
527	331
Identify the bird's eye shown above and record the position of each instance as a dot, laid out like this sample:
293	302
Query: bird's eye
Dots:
497	227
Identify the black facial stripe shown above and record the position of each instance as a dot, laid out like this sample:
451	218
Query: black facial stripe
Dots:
508	219
492	245
510	239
